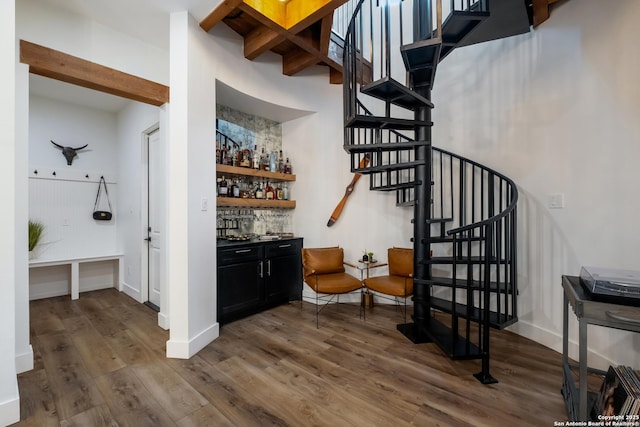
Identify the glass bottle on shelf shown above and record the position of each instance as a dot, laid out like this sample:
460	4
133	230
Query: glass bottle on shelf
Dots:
287	166
224	155
235	188
273	162
264	161
269	192
279	192
234	158
280	165
223	190
285	192
259	192
218	151
246	158
255	158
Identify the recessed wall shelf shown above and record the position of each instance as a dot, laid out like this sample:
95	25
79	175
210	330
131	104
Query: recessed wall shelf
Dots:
234	171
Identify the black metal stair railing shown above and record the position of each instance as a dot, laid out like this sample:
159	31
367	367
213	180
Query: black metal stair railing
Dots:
464	212
474	213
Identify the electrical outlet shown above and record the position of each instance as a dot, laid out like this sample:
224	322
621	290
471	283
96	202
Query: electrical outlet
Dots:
204	204
65	222
556	201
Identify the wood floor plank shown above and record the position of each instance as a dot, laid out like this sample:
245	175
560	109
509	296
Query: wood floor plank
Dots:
173	393
299	410
223	393
36	400
99	416
72	387
207	416
129	348
130	401
100	360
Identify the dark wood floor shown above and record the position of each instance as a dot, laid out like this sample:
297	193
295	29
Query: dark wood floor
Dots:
99	361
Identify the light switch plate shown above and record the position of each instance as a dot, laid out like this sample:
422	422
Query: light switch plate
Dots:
556	201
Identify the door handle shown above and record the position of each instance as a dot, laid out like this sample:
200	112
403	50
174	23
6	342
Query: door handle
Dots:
261	272
269	268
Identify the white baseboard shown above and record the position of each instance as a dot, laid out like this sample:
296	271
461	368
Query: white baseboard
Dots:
553	341
186	349
132	292
10	409
24	361
163	321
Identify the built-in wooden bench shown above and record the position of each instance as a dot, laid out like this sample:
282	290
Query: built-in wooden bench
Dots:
75	268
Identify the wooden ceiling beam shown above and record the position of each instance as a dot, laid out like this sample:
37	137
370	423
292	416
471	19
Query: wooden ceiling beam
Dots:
301	41
296	61
70	69
261	40
218	14
325	33
335	77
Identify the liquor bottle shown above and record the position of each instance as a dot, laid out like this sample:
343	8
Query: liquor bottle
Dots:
264	161
255	158
246	158
280	163
269	192
224	154
279	192
259	192
273	162
285	192
218	151
234	158
223	190
287	166
235	188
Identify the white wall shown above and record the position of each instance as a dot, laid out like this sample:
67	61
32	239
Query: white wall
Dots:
9	395
41	23
556	110
64	203
191	169
24	351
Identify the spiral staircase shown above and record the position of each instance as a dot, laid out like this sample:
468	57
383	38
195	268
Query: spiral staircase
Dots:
464	213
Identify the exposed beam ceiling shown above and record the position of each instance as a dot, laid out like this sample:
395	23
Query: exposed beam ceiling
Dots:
70	69
298	30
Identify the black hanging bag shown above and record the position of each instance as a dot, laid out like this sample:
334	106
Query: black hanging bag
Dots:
102	215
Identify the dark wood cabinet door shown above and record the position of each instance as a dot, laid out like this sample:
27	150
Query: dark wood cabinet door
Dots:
242	291
283	278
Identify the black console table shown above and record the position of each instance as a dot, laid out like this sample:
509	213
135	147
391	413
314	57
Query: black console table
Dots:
589	312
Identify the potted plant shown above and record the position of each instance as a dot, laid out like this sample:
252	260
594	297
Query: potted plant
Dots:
36	229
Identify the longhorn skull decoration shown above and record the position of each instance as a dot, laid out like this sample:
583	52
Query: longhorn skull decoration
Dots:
68	152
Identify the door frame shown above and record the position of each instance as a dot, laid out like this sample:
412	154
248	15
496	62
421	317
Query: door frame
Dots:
144	220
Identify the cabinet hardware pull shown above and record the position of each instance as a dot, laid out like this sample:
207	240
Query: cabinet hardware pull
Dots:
269	268
261	272
285	246
242	251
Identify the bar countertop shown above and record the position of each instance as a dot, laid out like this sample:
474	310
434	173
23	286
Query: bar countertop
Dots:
223	243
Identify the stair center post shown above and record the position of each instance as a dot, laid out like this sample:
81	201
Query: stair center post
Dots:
422	213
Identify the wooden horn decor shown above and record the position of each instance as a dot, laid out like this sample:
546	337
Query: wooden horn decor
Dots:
338	210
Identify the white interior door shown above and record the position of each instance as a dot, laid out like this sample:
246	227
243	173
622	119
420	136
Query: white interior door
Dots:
155	234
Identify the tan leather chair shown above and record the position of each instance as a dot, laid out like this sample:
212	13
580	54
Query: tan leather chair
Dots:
399	282
324	273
